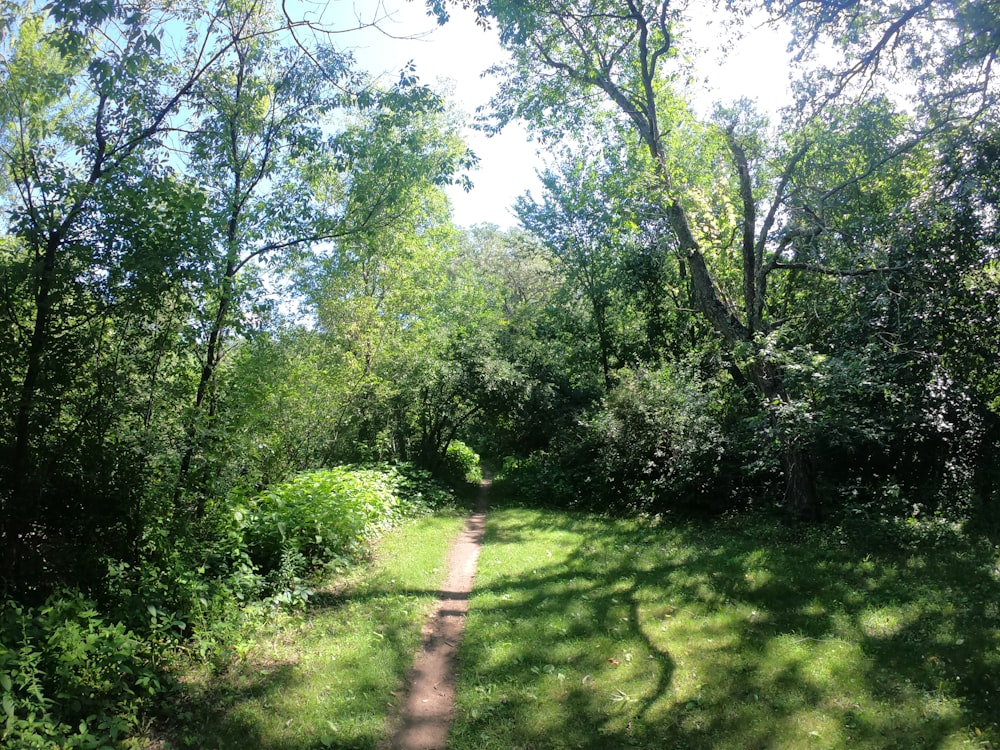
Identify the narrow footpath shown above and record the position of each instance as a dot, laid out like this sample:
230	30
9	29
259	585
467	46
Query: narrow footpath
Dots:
430	693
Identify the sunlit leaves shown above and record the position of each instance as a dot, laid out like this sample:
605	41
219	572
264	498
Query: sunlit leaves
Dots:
570	62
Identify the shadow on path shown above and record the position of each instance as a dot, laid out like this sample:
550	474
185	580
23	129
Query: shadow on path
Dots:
430	695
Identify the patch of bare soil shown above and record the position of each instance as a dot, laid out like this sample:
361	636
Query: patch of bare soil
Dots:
428	707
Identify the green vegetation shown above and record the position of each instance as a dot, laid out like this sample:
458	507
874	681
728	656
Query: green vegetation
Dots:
330	515
462	463
71	677
590	632
241	335
327	674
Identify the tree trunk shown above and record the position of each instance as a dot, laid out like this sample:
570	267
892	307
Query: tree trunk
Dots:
17	511
209	368
604	342
801	499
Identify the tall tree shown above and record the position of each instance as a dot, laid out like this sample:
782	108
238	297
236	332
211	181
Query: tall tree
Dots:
259	119
91	97
944	51
585	221
540	331
376	286
86	94
742	223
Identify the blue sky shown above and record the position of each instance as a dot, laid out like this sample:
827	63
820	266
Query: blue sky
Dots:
456	54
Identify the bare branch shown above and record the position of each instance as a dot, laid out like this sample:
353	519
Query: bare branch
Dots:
761	271
667	39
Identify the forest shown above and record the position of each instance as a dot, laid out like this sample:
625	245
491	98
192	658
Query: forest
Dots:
231	284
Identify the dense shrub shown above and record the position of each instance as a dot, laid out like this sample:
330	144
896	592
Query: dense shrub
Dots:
659	442
656	442
72	676
461	463
186	596
330	515
68	678
546	478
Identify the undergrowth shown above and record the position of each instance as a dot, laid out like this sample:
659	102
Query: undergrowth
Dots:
91	669
323	675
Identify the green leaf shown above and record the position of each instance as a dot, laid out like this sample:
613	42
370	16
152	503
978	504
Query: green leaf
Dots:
8	707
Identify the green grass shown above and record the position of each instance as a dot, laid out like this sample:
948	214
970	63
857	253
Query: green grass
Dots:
324	678
586	632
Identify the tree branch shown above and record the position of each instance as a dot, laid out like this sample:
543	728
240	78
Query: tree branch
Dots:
749	226
761	271
839	272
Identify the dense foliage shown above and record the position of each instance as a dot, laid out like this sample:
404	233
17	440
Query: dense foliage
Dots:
815	264
330	515
73	677
235	313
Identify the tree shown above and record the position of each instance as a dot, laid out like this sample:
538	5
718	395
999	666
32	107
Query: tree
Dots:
534	325
259	117
92	103
619	52
463	373
940	57
86	94
376	288
946	49
585	222
748	221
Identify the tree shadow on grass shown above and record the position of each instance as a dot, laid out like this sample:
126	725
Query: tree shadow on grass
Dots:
735	634
295	695
210	715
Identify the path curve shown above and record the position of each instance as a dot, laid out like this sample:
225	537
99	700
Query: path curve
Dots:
430	694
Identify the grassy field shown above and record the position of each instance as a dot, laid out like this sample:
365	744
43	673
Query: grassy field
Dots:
593	633
325	677
586	632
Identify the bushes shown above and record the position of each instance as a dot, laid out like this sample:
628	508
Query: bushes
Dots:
657	441
72	676
68	679
329	516
461	463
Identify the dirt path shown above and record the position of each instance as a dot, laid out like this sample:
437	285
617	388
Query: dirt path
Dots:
430	694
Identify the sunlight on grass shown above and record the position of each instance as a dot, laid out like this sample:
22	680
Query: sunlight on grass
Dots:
887	622
593	633
326	677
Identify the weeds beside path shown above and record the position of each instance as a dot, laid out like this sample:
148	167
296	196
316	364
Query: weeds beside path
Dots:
325	677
